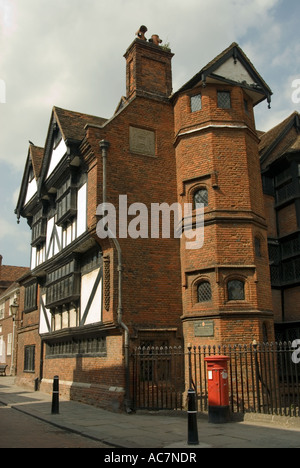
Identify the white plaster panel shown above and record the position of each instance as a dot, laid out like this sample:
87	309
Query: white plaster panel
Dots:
87	284
81	210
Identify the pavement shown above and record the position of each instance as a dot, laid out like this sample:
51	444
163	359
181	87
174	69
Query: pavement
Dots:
150	430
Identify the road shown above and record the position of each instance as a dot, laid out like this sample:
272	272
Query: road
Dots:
18	430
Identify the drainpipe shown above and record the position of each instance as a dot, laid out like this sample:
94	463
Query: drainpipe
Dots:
104	145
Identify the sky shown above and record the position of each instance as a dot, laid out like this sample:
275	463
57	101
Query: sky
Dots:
69	53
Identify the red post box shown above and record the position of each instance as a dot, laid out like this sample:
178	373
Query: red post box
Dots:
218	389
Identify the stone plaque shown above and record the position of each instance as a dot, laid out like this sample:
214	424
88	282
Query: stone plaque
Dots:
142	141
205	328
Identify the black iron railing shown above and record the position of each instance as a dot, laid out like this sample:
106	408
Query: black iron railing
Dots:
263	378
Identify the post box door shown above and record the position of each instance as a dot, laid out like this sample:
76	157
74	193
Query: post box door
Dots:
218	392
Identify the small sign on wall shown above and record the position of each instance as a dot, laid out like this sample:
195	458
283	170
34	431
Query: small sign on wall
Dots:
205	328
142	141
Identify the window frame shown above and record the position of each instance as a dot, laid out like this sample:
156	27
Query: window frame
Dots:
193	102
66	201
195	192
232	299
198	285
29	359
9	344
63	284
223	92
2	310
30	297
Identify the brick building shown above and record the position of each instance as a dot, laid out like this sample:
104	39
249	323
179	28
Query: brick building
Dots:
11	303
280	159
90	300
9	274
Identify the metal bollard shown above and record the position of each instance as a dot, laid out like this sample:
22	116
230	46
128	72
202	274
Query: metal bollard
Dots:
193	438
36	385
55	396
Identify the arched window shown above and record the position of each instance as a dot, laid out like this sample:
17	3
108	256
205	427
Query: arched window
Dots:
200	196
204	292
236	290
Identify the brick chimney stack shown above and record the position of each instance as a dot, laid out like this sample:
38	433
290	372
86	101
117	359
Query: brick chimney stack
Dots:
148	70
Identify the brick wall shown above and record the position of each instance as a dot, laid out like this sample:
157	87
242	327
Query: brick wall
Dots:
215	151
28	335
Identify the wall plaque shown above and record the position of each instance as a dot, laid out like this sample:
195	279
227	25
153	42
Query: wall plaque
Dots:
142	141
205	328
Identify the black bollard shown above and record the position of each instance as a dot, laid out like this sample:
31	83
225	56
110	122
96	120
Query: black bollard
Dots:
55	396
193	438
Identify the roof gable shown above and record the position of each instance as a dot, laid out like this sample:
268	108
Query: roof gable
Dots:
30	177
66	129
232	66
273	141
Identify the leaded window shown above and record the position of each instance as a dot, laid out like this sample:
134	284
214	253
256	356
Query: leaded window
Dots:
204	292
30	297
285	193
291	271
236	290
66	202
76	346
63	285
201	197
290	247
29	359
39	228
196	103
224	100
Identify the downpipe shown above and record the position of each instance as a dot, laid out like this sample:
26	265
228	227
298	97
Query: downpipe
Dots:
104	145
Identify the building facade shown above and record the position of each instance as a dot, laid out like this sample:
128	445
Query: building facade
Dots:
11	303
91	298
280	158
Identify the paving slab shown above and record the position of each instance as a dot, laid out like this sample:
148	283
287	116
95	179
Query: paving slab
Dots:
149	430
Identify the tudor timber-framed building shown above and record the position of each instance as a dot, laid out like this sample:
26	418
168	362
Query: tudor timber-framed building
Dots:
95	299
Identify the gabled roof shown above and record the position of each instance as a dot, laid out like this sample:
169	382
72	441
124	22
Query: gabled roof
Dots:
271	139
247	76
72	127
36	155
72	124
9	275
34	161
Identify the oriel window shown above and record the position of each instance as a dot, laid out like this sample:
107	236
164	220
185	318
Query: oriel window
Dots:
66	202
